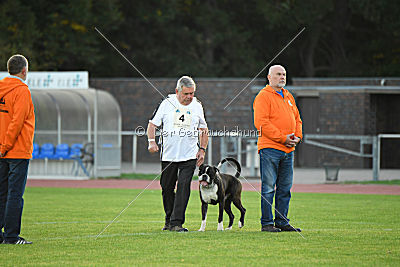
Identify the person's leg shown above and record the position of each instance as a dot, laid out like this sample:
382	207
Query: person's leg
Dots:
283	185
18	170
3	193
168	179
269	162
186	170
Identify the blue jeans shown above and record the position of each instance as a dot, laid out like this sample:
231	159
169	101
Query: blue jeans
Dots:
276	169
13	174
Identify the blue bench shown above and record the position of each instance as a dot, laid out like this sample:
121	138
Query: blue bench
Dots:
46	151
83	155
59	152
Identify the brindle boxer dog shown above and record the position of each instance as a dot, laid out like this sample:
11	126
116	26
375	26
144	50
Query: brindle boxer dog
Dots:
223	189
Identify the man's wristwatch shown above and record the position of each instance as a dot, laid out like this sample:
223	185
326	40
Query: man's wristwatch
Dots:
151	140
202	148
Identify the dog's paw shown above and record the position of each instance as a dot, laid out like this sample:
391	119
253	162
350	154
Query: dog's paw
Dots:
202	226
240	224
220	227
229	228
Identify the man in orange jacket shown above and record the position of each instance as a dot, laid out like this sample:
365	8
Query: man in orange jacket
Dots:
277	119
17	125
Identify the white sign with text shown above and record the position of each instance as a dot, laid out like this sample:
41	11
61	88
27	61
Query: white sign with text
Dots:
55	79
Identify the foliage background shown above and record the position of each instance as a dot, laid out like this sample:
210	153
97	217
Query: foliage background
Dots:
208	38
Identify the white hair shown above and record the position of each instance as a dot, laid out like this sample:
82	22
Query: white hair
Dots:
185	81
272	67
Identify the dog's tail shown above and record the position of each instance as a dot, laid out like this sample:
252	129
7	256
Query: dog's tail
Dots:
238	168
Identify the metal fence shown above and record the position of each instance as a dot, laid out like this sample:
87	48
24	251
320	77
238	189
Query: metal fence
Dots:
231	144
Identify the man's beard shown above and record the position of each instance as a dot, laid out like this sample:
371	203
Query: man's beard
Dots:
281	84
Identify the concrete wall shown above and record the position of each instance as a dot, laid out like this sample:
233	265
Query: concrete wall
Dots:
349	110
138	100
349	106
334	113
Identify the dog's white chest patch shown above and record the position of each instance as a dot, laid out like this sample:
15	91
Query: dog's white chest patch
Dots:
208	194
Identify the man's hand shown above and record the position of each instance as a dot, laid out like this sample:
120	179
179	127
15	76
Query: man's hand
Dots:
291	140
200	157
153	147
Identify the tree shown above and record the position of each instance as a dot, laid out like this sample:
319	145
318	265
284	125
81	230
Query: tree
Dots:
18	32
56	35
169	38
214	38
342	37
69	41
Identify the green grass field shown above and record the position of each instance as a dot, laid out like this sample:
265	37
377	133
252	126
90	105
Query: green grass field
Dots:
338	229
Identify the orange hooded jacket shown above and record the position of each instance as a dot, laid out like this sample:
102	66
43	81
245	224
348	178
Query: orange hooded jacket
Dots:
276	117
17	119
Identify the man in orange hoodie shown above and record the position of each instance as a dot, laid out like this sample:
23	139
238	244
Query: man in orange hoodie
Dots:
277	119
17	125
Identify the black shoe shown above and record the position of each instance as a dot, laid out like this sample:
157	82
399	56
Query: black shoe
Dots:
288	228
20	241
270	228
178	229
166	227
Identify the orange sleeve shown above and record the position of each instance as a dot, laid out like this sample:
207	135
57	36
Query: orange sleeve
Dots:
19	114
262	122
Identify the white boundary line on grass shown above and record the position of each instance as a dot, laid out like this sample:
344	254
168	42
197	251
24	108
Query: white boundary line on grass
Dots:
95	222
90	222
116	235
190	232
93	236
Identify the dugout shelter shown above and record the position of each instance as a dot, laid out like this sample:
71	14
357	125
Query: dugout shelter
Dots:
78	129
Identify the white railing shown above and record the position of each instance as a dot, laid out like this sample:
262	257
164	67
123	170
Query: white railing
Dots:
251	148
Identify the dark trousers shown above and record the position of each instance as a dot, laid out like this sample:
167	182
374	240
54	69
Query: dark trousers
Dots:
13	174
175	203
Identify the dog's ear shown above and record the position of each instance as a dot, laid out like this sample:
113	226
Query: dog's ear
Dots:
201	168
216	170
